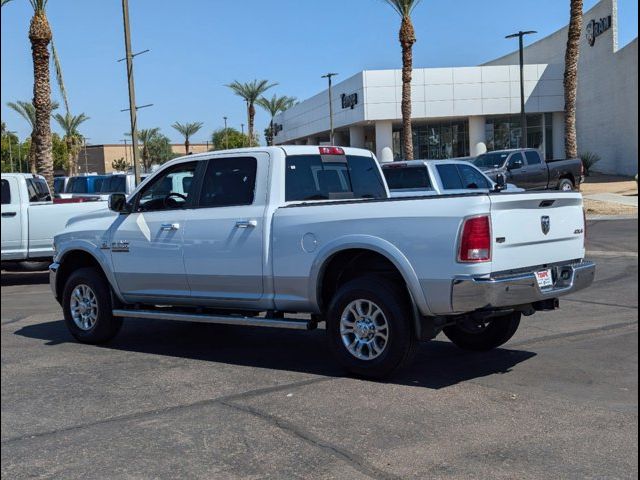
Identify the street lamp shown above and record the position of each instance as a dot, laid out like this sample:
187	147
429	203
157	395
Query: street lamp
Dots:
226	135
86	168
523	117
328	77
242	130
10	149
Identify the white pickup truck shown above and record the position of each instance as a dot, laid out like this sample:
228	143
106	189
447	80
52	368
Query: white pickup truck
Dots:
252	236
30	219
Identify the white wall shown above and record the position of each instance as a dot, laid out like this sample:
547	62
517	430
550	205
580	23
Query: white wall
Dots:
607	104
462	91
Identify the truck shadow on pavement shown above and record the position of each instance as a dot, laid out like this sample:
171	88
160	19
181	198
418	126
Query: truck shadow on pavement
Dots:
12	278
438	363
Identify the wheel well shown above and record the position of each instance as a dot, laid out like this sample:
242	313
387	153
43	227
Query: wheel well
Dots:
349	264
71	262
569	177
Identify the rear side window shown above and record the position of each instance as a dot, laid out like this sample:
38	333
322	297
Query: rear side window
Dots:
330	177
58	185
38	190
407	178
449	176
228	182
6	193
461	176
114	184
533	158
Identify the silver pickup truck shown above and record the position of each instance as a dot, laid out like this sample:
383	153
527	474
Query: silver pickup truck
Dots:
259	236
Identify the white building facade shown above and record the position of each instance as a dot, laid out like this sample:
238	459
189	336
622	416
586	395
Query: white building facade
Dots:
465	111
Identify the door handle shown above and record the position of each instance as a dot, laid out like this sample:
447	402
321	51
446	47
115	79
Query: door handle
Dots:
8	214
246	223
168	227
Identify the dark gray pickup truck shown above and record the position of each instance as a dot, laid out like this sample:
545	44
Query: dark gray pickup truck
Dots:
525	168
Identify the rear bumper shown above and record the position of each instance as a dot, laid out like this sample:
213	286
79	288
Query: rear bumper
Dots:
53	272
475	293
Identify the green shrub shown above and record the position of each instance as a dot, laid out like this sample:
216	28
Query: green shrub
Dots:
589	159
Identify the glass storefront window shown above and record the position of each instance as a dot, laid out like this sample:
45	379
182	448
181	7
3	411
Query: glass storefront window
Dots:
505	132
548	136
435	140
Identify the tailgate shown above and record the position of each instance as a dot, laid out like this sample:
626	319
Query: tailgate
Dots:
532	229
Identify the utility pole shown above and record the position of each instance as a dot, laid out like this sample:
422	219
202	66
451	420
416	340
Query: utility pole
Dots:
126	153
523	117
132	91
226	135
86	167
10	149
328	77
242	129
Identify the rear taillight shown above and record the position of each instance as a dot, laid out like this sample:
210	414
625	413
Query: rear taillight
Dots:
331	151
475	243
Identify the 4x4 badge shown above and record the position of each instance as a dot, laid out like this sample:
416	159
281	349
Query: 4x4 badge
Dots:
545	223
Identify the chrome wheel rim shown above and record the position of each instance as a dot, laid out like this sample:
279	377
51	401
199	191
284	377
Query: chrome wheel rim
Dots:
84	307
364	329
566	187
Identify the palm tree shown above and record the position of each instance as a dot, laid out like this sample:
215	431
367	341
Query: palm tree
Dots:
40	38
571	78
72	137
407	37
145	136
251	91
4	2
187	130
275	105
27	111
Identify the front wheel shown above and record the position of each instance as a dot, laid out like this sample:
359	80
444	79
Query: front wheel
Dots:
87	307
482	336
369	327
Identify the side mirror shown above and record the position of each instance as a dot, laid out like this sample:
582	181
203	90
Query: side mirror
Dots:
118	203
501	183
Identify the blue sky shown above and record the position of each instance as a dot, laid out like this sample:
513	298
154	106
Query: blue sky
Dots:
197	46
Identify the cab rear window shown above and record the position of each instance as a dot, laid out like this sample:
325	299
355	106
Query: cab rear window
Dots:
332	177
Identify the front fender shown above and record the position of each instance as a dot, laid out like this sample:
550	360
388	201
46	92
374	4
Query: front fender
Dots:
375	244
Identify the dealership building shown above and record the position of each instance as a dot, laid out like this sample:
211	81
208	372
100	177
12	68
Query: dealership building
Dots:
465	111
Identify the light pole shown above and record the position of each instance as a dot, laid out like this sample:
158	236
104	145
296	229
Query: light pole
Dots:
523	117
242	130
226	135
328	77
86	168
10	149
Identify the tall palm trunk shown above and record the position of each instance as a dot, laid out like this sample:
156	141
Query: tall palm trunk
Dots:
407	39
252	115
571	79
186	145
32	154
40	37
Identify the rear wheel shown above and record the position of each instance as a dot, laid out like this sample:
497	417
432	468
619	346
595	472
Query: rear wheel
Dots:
369	327
87	307
565	185
482	336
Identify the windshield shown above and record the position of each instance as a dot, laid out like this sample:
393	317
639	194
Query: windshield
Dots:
491	160
407	178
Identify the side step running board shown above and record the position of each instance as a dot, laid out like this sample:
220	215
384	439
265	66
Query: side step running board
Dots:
222	319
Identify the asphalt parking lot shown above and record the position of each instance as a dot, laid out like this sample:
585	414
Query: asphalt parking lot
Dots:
175	400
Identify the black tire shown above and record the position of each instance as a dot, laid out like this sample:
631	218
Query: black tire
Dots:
106	326
394	302
497	332
566	185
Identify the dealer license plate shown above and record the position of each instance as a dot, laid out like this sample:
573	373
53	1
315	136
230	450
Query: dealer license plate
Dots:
545	279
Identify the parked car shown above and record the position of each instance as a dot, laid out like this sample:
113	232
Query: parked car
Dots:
30	219
84	185
526	168
250	236
437	177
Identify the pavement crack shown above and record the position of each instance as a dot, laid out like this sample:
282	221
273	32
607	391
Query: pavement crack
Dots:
588	331
604	304
168	409
292	429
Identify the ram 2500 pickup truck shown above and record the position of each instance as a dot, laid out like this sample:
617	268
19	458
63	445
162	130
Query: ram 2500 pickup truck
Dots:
30	219
252	236
526	168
